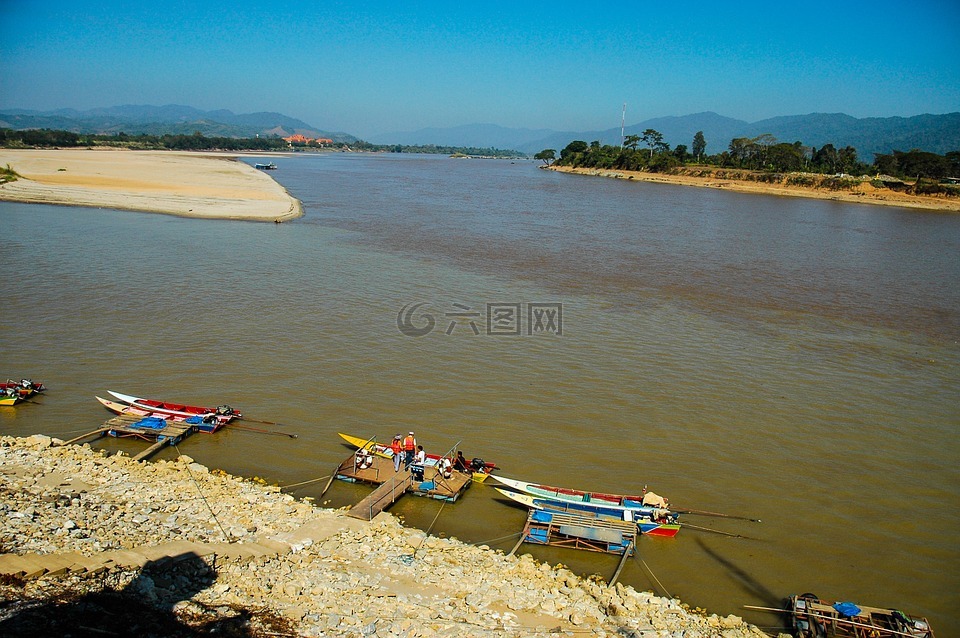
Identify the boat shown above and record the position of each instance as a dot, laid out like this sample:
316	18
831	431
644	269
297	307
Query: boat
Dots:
223	412
204	423
266	167
13	392
479	469
646	500
653	521
816	618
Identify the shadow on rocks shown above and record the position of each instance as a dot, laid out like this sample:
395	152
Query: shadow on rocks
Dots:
156	603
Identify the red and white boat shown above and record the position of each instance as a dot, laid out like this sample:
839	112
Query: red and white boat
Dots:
223	413
203	423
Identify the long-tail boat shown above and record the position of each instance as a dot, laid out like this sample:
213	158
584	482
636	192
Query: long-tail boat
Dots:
816	618
13	392
202	423
653	521
224	412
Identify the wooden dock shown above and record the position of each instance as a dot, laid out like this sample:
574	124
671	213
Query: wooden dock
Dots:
563	529
125	426
392	485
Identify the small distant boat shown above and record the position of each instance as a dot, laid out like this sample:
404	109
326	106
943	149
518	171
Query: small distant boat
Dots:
266	167
650	520
13	392
816	618
479	469
223	413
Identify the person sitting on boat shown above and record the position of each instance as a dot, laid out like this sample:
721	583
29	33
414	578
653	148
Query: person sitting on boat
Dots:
409	448
397	448
445	467
460	463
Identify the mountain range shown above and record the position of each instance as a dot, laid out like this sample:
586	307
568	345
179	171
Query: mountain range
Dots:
934	133
170	119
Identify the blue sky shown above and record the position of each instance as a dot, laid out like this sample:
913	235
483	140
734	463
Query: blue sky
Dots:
374	67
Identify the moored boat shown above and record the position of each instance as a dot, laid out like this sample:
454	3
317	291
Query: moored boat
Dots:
478	468
203	423
646	500
223	413
266	167
13	392
815	618
652	521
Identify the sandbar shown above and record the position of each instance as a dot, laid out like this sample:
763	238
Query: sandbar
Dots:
186	184
864	193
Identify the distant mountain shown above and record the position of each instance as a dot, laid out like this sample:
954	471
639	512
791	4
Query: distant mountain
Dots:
170	119
934	133
475	135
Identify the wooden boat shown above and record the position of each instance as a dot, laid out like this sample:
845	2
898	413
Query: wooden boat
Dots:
647	500
13	392
266	167
222	412
816	618
203	423
652	521
479	469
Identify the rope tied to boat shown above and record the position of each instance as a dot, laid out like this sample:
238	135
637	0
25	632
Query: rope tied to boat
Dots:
205	502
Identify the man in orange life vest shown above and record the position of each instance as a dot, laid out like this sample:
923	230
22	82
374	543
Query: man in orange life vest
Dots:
409	447
397	448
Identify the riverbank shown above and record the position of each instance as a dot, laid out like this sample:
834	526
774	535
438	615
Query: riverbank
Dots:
306	571
862	192
186	184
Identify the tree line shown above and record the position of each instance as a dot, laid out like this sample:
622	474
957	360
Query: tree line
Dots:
649	152
47	138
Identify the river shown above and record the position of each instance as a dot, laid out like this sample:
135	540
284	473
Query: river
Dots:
783	359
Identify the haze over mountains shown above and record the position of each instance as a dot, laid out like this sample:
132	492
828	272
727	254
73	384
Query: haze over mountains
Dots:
934	133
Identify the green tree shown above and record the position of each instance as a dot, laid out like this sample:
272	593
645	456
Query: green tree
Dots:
680	152
547	155
631	141
653	139
699	145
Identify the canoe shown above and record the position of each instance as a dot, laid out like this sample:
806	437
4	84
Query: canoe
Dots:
650	520
647	500
479	469
203	423
816	618
223	412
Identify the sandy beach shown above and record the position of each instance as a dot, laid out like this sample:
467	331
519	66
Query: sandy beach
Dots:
176	183
862	194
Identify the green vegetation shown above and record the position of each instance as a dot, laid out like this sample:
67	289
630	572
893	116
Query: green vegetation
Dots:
763	158
47	138
8	175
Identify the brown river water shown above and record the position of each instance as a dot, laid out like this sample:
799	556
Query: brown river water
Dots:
789	360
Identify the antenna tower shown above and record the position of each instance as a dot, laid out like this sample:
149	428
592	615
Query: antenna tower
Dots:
623	118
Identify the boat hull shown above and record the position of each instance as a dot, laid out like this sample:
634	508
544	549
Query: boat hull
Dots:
177	409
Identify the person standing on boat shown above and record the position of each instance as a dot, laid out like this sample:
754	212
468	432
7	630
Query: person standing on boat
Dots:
418	463
397	448
409	447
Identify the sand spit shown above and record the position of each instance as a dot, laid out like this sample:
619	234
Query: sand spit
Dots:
176	183
248	557
864	193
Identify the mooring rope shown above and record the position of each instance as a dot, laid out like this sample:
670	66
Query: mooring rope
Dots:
205	502
654	576
283	487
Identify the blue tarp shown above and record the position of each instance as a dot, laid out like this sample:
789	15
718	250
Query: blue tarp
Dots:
151	423
194	420
847	609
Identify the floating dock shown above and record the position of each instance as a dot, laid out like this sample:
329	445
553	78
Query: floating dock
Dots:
126	426
378	470
563	529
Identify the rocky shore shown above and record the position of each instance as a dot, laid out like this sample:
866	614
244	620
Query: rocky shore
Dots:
223	555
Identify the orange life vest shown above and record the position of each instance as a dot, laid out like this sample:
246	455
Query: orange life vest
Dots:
409	443
396	446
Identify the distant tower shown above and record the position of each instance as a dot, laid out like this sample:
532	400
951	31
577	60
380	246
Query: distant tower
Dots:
623	118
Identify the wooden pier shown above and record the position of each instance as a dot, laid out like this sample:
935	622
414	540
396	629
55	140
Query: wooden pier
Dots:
379	471
125	426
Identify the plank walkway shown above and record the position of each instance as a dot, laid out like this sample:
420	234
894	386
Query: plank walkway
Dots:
380	498
31	566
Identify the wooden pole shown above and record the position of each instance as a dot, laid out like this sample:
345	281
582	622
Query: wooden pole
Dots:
626	554
83	436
